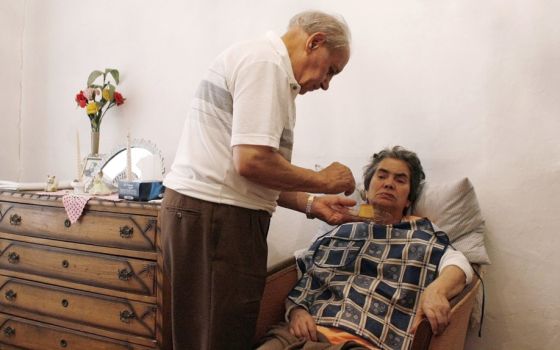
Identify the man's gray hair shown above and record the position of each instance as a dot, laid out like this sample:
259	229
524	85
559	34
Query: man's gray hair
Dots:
334	26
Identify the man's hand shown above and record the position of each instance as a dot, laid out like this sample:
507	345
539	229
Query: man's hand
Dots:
333	209
435	307
338	178
302	325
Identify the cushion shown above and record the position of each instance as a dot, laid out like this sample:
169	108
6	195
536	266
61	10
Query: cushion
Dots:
454	208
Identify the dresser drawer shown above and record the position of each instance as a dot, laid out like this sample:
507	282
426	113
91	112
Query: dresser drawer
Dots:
99	270
17	333
126	231
26	299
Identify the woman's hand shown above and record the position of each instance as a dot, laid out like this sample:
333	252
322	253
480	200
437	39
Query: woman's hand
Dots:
434	302
435	307
302	325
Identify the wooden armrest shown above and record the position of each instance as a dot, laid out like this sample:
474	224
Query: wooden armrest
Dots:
283	266
454	335
281	278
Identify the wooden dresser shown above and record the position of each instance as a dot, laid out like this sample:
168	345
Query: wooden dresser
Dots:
94	284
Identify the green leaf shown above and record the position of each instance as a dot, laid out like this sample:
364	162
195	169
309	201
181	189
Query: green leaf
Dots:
114	73
94	75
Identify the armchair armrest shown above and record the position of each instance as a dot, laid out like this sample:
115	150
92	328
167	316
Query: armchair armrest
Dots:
281	278
454	335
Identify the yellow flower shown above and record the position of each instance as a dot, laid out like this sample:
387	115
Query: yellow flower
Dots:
107	95
91	108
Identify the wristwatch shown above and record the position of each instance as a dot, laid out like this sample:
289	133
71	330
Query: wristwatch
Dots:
310	199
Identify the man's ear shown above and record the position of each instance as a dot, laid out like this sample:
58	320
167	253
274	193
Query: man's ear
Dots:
315	40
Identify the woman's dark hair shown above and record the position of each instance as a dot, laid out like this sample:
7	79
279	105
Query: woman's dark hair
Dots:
417	175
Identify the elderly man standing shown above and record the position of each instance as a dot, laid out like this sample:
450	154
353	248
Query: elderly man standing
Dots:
232	168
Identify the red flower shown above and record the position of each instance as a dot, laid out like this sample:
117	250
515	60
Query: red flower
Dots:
81	99
119	100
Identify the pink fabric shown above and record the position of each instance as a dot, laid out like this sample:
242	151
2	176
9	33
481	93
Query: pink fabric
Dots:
74	205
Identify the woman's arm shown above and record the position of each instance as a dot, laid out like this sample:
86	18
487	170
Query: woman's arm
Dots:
434	302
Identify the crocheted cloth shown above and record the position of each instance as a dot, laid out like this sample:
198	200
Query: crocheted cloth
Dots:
366	278
74	205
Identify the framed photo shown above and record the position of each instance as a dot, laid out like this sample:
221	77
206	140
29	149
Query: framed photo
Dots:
90	165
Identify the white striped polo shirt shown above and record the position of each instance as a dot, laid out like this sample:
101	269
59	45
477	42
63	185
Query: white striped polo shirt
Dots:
247	97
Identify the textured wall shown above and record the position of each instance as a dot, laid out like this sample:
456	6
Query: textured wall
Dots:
11	65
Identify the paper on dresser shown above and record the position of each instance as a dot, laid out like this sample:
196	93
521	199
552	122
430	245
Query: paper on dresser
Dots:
30	186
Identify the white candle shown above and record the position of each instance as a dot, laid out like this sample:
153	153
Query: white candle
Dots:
78	158
128	158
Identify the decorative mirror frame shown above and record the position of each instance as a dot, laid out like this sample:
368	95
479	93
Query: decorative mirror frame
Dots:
134	143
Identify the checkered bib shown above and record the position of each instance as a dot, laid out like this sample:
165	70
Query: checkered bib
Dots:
366	278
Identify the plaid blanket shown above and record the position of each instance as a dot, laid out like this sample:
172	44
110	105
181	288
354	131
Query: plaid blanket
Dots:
366	278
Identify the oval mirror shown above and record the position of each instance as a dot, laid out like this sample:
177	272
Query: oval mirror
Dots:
145	159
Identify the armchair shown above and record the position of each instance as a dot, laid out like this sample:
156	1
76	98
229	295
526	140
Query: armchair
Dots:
283	276
453	206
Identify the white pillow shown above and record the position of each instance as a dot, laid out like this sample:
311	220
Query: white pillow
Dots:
453	207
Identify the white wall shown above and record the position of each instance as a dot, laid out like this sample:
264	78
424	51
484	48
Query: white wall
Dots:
472	86
11	65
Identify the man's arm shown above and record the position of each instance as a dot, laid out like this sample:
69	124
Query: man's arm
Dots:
434	302
265	166
331	209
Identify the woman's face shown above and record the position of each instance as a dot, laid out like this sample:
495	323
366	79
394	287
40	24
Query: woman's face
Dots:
390	186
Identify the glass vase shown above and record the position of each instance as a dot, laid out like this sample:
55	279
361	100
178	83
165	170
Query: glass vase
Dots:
94	143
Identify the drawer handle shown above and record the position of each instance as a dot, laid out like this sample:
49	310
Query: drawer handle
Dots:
67	223
15	219
13	258
9	331
63	343
127	316
151	224
65	263
125	275
11	295
64	303
126	231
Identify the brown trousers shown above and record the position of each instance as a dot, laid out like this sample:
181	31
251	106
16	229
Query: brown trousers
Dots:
214	264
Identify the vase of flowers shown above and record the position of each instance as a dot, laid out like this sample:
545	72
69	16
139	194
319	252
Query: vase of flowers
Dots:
94	142
99	96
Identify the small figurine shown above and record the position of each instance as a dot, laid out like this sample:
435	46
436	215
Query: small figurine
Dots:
78	186
98	186
52	184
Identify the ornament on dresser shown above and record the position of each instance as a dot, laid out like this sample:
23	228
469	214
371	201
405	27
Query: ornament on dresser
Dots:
99	96
51	184
98	186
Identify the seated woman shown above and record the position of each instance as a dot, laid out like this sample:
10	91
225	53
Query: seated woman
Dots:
369	284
